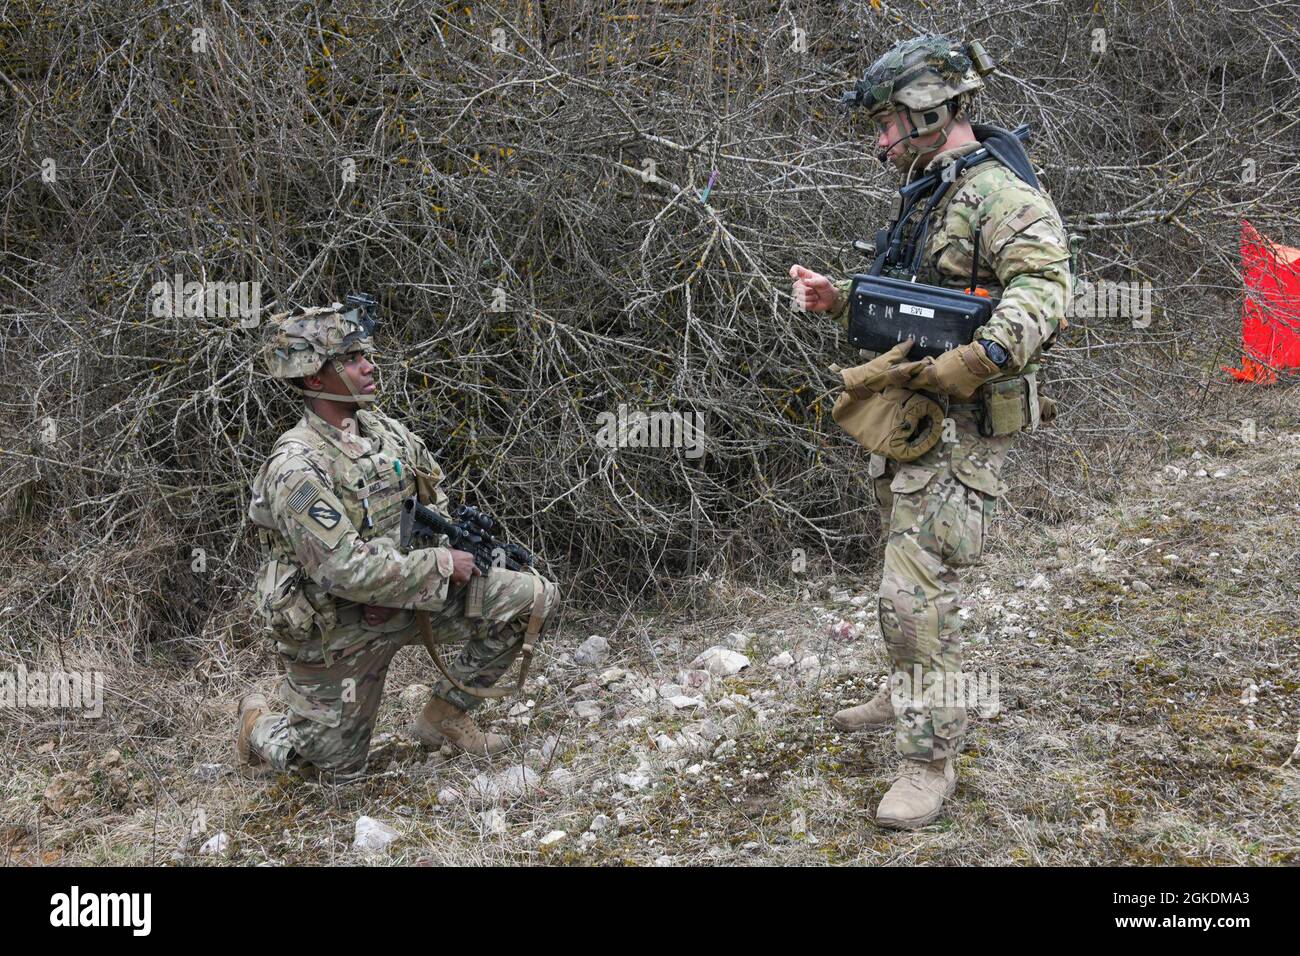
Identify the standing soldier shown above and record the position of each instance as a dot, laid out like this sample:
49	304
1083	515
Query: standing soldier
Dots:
337	595
939	504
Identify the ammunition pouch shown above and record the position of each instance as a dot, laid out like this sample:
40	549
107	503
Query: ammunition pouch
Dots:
282	601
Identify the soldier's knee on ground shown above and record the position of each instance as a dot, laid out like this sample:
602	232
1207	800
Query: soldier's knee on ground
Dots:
332	753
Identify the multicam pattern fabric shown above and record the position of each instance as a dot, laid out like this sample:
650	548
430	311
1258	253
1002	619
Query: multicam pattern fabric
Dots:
919	73
333	708
938	507
328	503
300	344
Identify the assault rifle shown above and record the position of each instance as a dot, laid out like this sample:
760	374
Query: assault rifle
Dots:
468	529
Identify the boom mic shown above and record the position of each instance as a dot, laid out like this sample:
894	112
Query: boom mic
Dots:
883	155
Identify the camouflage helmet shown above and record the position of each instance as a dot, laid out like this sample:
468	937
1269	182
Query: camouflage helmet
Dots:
922	76
300	344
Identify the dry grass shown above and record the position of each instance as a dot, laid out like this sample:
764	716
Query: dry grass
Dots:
1122	738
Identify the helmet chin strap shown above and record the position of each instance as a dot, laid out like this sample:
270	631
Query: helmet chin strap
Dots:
354	397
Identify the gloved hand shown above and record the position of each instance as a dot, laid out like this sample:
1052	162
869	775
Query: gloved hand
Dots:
881	372
957	372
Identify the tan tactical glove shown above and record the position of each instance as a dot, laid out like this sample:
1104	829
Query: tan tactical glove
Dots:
862	381
957	372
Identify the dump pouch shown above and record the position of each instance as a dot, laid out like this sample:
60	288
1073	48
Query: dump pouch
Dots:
896	422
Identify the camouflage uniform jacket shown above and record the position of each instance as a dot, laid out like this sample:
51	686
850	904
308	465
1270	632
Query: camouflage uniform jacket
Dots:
1024	255
328	505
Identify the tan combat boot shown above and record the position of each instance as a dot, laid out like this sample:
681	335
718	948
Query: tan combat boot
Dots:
251	708
441	720
877	712
917	795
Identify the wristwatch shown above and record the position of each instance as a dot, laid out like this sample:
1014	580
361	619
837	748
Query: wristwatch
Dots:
996	353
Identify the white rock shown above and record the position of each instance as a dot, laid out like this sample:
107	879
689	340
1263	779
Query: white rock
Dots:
695	681
550	746
738	640
494	821
681	702
587	710
862	600
561	780
416	695
552	838
372	836
844	630
783	660
632	722
516	780
670	690
611	676
664	742
218	845
598	823
1040	583
592	652
448	796
810	662
721	662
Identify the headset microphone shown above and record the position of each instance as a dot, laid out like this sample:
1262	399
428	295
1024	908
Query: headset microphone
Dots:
883	155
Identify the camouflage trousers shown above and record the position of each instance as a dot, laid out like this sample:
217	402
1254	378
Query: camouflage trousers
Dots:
938	509
332	709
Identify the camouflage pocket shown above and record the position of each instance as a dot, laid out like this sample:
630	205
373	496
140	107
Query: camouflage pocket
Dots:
958	523
280	600
321	703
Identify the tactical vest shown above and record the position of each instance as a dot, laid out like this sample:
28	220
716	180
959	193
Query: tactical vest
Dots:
925	244
306	621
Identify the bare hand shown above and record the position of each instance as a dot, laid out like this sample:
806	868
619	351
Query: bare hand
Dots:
812	290
463	567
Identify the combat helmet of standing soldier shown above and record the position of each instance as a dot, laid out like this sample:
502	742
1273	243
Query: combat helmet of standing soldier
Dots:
937	495
336	594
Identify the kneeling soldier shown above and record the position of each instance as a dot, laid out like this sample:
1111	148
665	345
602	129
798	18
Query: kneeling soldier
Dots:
337	594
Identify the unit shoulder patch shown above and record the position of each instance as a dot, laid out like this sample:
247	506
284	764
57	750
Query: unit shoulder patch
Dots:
324	514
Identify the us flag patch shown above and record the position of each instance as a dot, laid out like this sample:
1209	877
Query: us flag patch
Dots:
303	496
